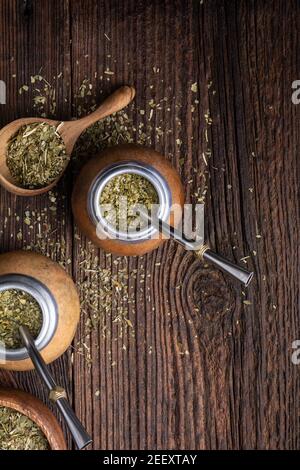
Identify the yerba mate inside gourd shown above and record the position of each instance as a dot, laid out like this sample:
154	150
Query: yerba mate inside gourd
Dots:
18	308
18	432
137	190
36	155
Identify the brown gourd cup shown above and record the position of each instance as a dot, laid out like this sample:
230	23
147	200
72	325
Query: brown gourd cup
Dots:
165	179
127	158
57	296
35	410
69	131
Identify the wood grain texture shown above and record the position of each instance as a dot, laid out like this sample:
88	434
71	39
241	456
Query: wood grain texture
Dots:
198	368
35	35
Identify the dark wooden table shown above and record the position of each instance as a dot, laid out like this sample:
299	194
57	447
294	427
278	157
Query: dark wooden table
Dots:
183	357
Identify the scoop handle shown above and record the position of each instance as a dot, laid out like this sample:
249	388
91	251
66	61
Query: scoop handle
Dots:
57	394
115	102
71	130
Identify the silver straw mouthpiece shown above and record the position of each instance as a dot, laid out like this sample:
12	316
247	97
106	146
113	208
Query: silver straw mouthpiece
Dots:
57	394
202	251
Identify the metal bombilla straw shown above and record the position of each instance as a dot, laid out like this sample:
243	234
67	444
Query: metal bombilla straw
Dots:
56	394
203	253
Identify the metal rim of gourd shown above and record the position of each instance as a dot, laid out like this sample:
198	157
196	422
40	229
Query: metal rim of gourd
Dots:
48	306
148	172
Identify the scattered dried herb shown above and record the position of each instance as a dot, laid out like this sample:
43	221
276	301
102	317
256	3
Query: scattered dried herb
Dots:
113	130
18	432
36	155
107	300
109	290
136	189
18	308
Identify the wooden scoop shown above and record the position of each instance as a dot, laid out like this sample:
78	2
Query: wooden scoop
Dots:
69	130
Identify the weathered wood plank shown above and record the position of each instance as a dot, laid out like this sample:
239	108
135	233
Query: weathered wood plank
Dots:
254	211
178	360
144	390
200	385
35	39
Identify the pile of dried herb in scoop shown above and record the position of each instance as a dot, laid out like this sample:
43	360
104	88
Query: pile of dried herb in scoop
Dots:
18	308
18	432
36	155
135	188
